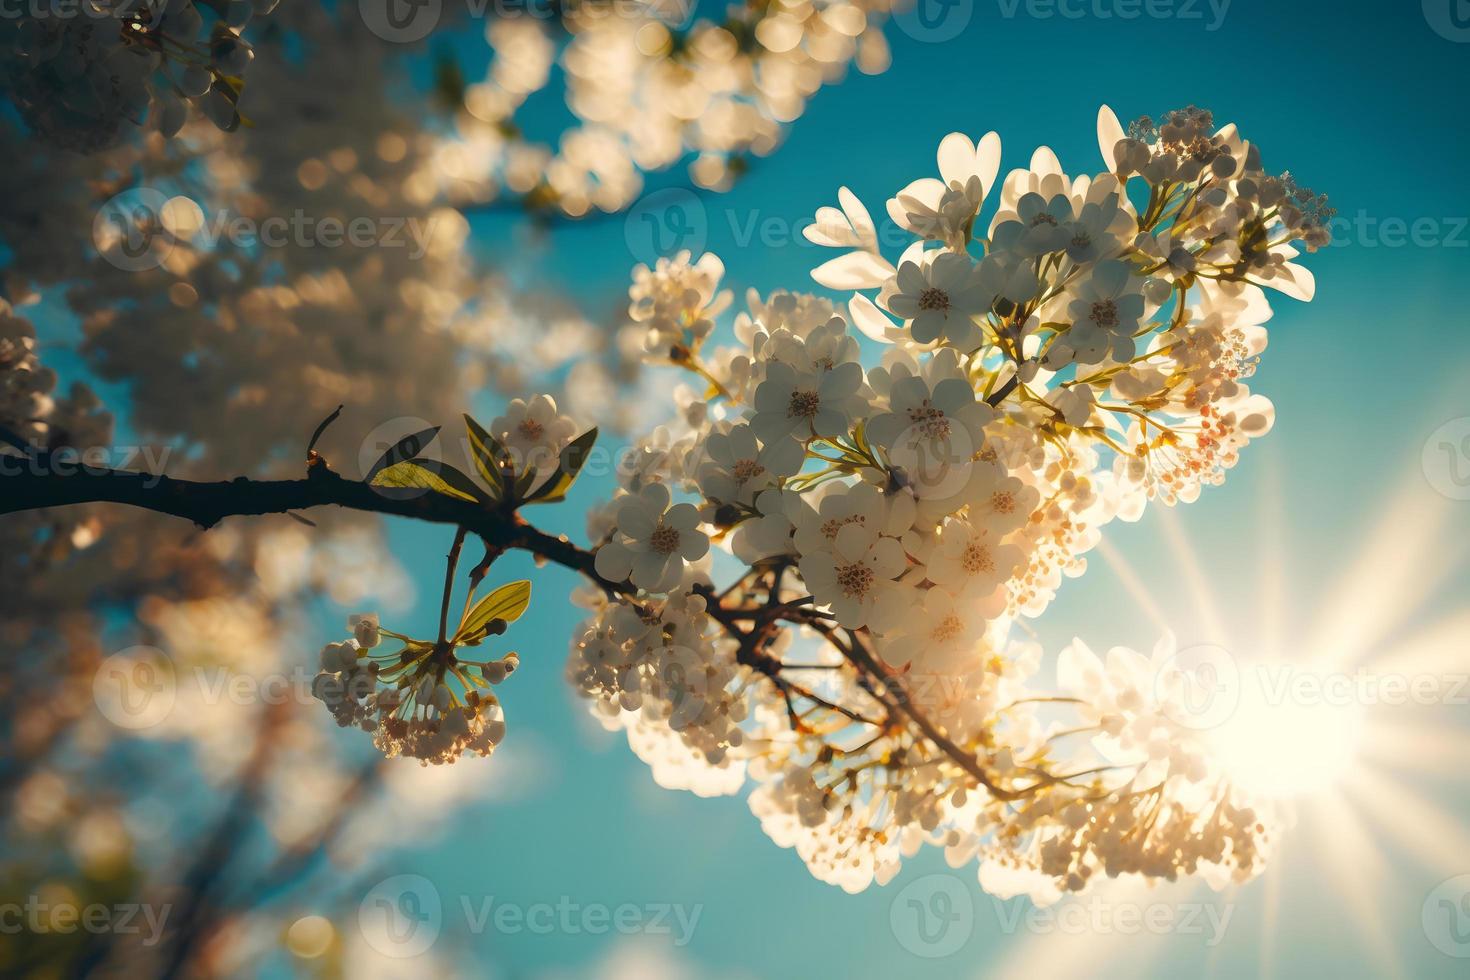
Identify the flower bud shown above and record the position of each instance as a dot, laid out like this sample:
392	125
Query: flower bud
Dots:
364	628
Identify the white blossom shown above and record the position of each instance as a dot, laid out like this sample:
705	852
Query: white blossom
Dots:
653	541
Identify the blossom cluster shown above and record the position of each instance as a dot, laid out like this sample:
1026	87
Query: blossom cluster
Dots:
80	75
427	699
424	700
884	527
659	669
649	86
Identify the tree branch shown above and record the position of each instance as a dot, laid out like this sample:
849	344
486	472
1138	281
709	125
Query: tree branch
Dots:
44	482
33	487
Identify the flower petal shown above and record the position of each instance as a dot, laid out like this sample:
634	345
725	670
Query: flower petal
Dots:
855	270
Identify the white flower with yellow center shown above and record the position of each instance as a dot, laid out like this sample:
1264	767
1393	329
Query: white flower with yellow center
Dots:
534	433
738	468
652	541
856	577
971	560
1039	225
1007	506
940	297
790	404
842	504
942	635
933	428
1102	228
1106	310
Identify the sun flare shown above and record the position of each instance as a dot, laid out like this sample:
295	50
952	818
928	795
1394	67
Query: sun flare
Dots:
1285	748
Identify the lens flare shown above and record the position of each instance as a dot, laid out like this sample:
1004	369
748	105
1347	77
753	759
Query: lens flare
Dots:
1286	740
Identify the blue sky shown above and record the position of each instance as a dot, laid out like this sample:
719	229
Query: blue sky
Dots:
1359	100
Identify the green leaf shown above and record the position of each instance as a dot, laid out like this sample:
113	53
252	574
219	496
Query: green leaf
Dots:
457	479
490	457
411	475
404	449
507	602
573	458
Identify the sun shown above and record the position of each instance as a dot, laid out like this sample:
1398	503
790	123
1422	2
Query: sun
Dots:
1359	767
1280	744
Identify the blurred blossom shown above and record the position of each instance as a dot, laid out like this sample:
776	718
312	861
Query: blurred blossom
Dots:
646	91
230	347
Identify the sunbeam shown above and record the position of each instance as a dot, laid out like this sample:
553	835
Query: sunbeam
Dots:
1132	584
1347	855
1400	562
1401	813
1340	709
1182	548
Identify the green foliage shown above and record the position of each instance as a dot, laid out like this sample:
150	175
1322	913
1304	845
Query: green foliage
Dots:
573	458
506	603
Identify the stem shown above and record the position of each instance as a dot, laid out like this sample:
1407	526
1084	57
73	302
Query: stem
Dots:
451	565
862	657
1000	394
694	365
478	573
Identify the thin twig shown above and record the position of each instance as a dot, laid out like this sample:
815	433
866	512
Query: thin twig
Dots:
311	446
450	566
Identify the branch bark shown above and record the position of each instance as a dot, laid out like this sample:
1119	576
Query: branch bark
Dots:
208	503
38	484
